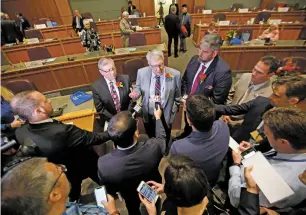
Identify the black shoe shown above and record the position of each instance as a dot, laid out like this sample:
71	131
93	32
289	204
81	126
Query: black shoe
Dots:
176	56
184	51
169	54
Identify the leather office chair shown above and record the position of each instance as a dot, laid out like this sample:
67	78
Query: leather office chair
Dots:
38	53
137	39
87	15
134	21
130	67
219	17
33	33
244	31
236	6
17	86
198	9
262	16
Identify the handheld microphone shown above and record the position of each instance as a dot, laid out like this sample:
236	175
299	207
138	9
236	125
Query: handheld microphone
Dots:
137	109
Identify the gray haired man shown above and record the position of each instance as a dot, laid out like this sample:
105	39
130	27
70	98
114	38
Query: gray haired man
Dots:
126	29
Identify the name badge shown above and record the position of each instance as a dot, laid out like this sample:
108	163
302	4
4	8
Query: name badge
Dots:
155	99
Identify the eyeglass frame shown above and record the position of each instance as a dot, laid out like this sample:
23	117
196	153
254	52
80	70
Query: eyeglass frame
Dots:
63	170
112	70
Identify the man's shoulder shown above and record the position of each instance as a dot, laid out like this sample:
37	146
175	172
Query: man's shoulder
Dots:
173	71
123	77
97	82
143	70
222	65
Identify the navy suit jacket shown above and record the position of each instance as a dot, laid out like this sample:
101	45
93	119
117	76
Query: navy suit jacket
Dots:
253	111
217	84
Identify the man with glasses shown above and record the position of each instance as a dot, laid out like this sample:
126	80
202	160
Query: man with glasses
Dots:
111	91
207	74
158	85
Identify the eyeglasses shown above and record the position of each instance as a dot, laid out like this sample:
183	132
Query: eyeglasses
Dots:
63	169
160	66
109	71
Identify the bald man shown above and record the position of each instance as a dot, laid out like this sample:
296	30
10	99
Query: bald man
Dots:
77	22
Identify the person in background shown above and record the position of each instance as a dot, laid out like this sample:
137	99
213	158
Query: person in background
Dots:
77	22
122	10
22	23
236	39
10	32
173	29
6	16
272	32
175	4
211	29
126	29
131	7
185	20
161	14
90	38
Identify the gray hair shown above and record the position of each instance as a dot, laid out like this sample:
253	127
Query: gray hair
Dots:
24	104
155	53
27	184
212	41
104	61
125	13
173	8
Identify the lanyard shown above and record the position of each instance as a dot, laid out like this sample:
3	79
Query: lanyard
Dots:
287	160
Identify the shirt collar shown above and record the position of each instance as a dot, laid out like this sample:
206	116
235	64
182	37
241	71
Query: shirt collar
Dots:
289	156
123	149
257	86
43	121
154	75
207	64
108	81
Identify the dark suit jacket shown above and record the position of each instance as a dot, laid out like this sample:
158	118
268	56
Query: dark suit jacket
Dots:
249	203
24	24
123	170
217	84
74	24
172	24
130	9
103	100
10	32
253	111
62	144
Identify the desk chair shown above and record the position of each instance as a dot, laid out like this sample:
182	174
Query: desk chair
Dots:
236	6
33	33
130	67
198	9
87	15
262	16
137	39
246	34
134	21
38	53
17	86
219	17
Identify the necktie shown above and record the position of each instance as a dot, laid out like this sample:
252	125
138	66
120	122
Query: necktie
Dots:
246	94
157	89
115	97
197	80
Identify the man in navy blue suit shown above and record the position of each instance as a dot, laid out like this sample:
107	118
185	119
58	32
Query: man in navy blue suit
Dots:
207	74
207	145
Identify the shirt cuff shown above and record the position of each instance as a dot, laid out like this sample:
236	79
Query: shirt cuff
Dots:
234	170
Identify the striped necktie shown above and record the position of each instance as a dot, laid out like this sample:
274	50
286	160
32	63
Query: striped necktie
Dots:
157	89
115	97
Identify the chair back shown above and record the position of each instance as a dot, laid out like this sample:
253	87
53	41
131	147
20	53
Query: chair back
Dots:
245	34
20	85
134	21
130	67
33	33
87	15
236	6
38	53
262	16
198	9
137	39
219	17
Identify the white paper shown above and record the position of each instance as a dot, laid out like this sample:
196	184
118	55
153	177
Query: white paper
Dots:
224	22
234	145
207	11
32	64
275	21
50	60
243	10
32	40
271	184
132	16
105	126
283	9
40	26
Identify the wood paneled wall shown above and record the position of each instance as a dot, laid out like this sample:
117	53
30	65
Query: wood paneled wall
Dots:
56	10
145	6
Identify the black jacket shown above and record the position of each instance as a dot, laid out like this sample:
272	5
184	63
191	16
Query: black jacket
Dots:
74	24
249	203
253	111
123	170
217	83
172	24
130	9
10	32
23	24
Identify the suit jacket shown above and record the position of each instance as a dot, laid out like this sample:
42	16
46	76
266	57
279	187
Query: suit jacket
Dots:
62	144
74	23
172	24
249	203
133	7
186	22
103	99
238	90
253	111
217	83
123	170
10	32
172	92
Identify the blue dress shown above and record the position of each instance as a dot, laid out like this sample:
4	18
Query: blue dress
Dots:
7	115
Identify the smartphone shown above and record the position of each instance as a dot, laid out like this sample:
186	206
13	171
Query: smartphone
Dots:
248	153
100	194
146	191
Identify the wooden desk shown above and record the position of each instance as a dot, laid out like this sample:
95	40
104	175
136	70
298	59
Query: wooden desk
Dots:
286	31
81	116
64	31
68	74
292	16
72	45
245	57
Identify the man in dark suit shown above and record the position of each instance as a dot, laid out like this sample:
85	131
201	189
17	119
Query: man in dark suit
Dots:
131	7
10	32
207	74
207	145
111	92
173	29
131	162
22	22
60	143
77	22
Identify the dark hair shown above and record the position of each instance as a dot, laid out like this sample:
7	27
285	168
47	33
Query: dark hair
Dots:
295	86
288	124
201	112
272	62
130	2
121	129
19	14
25	189
184	5
186	184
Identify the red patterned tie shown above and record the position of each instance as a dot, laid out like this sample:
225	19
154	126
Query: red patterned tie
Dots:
115	97
197	80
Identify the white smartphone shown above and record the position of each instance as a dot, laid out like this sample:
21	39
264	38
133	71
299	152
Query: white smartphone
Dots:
100	194
146	191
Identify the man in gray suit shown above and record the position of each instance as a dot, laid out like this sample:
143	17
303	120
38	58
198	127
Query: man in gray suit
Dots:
185	20
159	86
251	85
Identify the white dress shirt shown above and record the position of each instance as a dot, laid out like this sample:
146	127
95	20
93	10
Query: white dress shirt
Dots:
77	20
115	86
200	67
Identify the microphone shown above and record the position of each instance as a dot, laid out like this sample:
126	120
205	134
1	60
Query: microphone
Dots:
137	109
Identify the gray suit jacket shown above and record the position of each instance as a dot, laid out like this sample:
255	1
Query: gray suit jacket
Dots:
172	92
238	90
186	22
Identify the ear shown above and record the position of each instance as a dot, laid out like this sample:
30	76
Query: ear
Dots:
55	195
271	74
293	100
285	142
188	120
215	53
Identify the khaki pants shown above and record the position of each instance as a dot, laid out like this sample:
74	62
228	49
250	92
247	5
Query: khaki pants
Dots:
125	41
